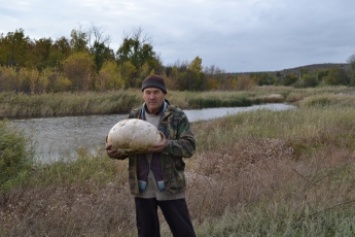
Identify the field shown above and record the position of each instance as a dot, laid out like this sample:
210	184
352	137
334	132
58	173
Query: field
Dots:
261	173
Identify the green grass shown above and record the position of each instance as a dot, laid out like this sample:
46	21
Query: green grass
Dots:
15	157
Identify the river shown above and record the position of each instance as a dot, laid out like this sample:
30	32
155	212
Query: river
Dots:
61	137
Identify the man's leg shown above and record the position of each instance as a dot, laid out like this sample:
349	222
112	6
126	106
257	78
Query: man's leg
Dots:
147	217
178	218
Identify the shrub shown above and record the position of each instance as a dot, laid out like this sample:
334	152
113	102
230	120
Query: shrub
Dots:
13	154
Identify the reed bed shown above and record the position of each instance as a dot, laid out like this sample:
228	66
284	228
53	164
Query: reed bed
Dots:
18	105
66	104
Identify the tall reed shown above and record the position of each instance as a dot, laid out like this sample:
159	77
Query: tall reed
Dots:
17	105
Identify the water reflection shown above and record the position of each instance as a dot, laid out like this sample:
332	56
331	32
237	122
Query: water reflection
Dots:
60	138
213	113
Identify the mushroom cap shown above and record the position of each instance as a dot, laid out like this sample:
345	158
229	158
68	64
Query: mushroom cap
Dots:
133	136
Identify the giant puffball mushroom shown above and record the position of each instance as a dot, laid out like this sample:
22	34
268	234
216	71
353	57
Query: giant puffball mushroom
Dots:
132	136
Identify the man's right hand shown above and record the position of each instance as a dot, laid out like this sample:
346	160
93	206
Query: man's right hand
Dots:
114	153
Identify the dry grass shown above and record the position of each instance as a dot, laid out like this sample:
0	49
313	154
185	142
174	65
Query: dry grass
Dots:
70	210
17	105
260	173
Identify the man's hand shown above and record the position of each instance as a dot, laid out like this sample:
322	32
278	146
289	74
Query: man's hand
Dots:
160	146
114	153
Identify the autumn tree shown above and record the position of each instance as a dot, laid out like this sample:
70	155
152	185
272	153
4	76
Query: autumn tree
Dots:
13	48
8	79
351	62
179	76
138	52
290	79
109	77
100	47
79	68
60	50
172	73
56	80
79	41
30	80
337	76
310	80
187	76
244	82
197	76
263	78
39	52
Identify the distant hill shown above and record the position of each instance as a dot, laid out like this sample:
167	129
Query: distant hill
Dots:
296	70
315	67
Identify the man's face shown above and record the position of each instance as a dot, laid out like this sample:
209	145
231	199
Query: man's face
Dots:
153	98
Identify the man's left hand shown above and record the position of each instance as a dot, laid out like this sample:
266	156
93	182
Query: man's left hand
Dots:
159	146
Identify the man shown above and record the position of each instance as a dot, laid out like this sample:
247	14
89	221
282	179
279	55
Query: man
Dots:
157	178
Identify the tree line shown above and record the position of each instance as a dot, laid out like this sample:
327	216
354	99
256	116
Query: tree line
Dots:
85	62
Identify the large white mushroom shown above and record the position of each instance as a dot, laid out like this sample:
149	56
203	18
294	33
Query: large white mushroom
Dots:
133	136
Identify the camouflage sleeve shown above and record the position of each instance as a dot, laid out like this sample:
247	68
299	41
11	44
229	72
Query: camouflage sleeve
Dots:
184	142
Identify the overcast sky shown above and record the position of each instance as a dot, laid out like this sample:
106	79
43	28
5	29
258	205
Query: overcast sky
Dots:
234	35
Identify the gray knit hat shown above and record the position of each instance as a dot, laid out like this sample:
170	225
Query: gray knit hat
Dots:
154	81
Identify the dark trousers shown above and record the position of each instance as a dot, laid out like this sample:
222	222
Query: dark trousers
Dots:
175	212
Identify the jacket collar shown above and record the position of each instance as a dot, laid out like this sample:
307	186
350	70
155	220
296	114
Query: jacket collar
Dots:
161	111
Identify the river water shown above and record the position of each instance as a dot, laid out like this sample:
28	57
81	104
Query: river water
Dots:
61	137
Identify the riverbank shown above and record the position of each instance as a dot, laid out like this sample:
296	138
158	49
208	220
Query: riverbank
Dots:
259	173
57	138
14	106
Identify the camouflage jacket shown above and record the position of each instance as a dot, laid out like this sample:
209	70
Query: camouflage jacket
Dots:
181	144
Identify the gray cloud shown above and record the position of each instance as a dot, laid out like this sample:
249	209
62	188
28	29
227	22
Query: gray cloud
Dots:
238	35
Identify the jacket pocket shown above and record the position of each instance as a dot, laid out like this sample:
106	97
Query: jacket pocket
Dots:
179	164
